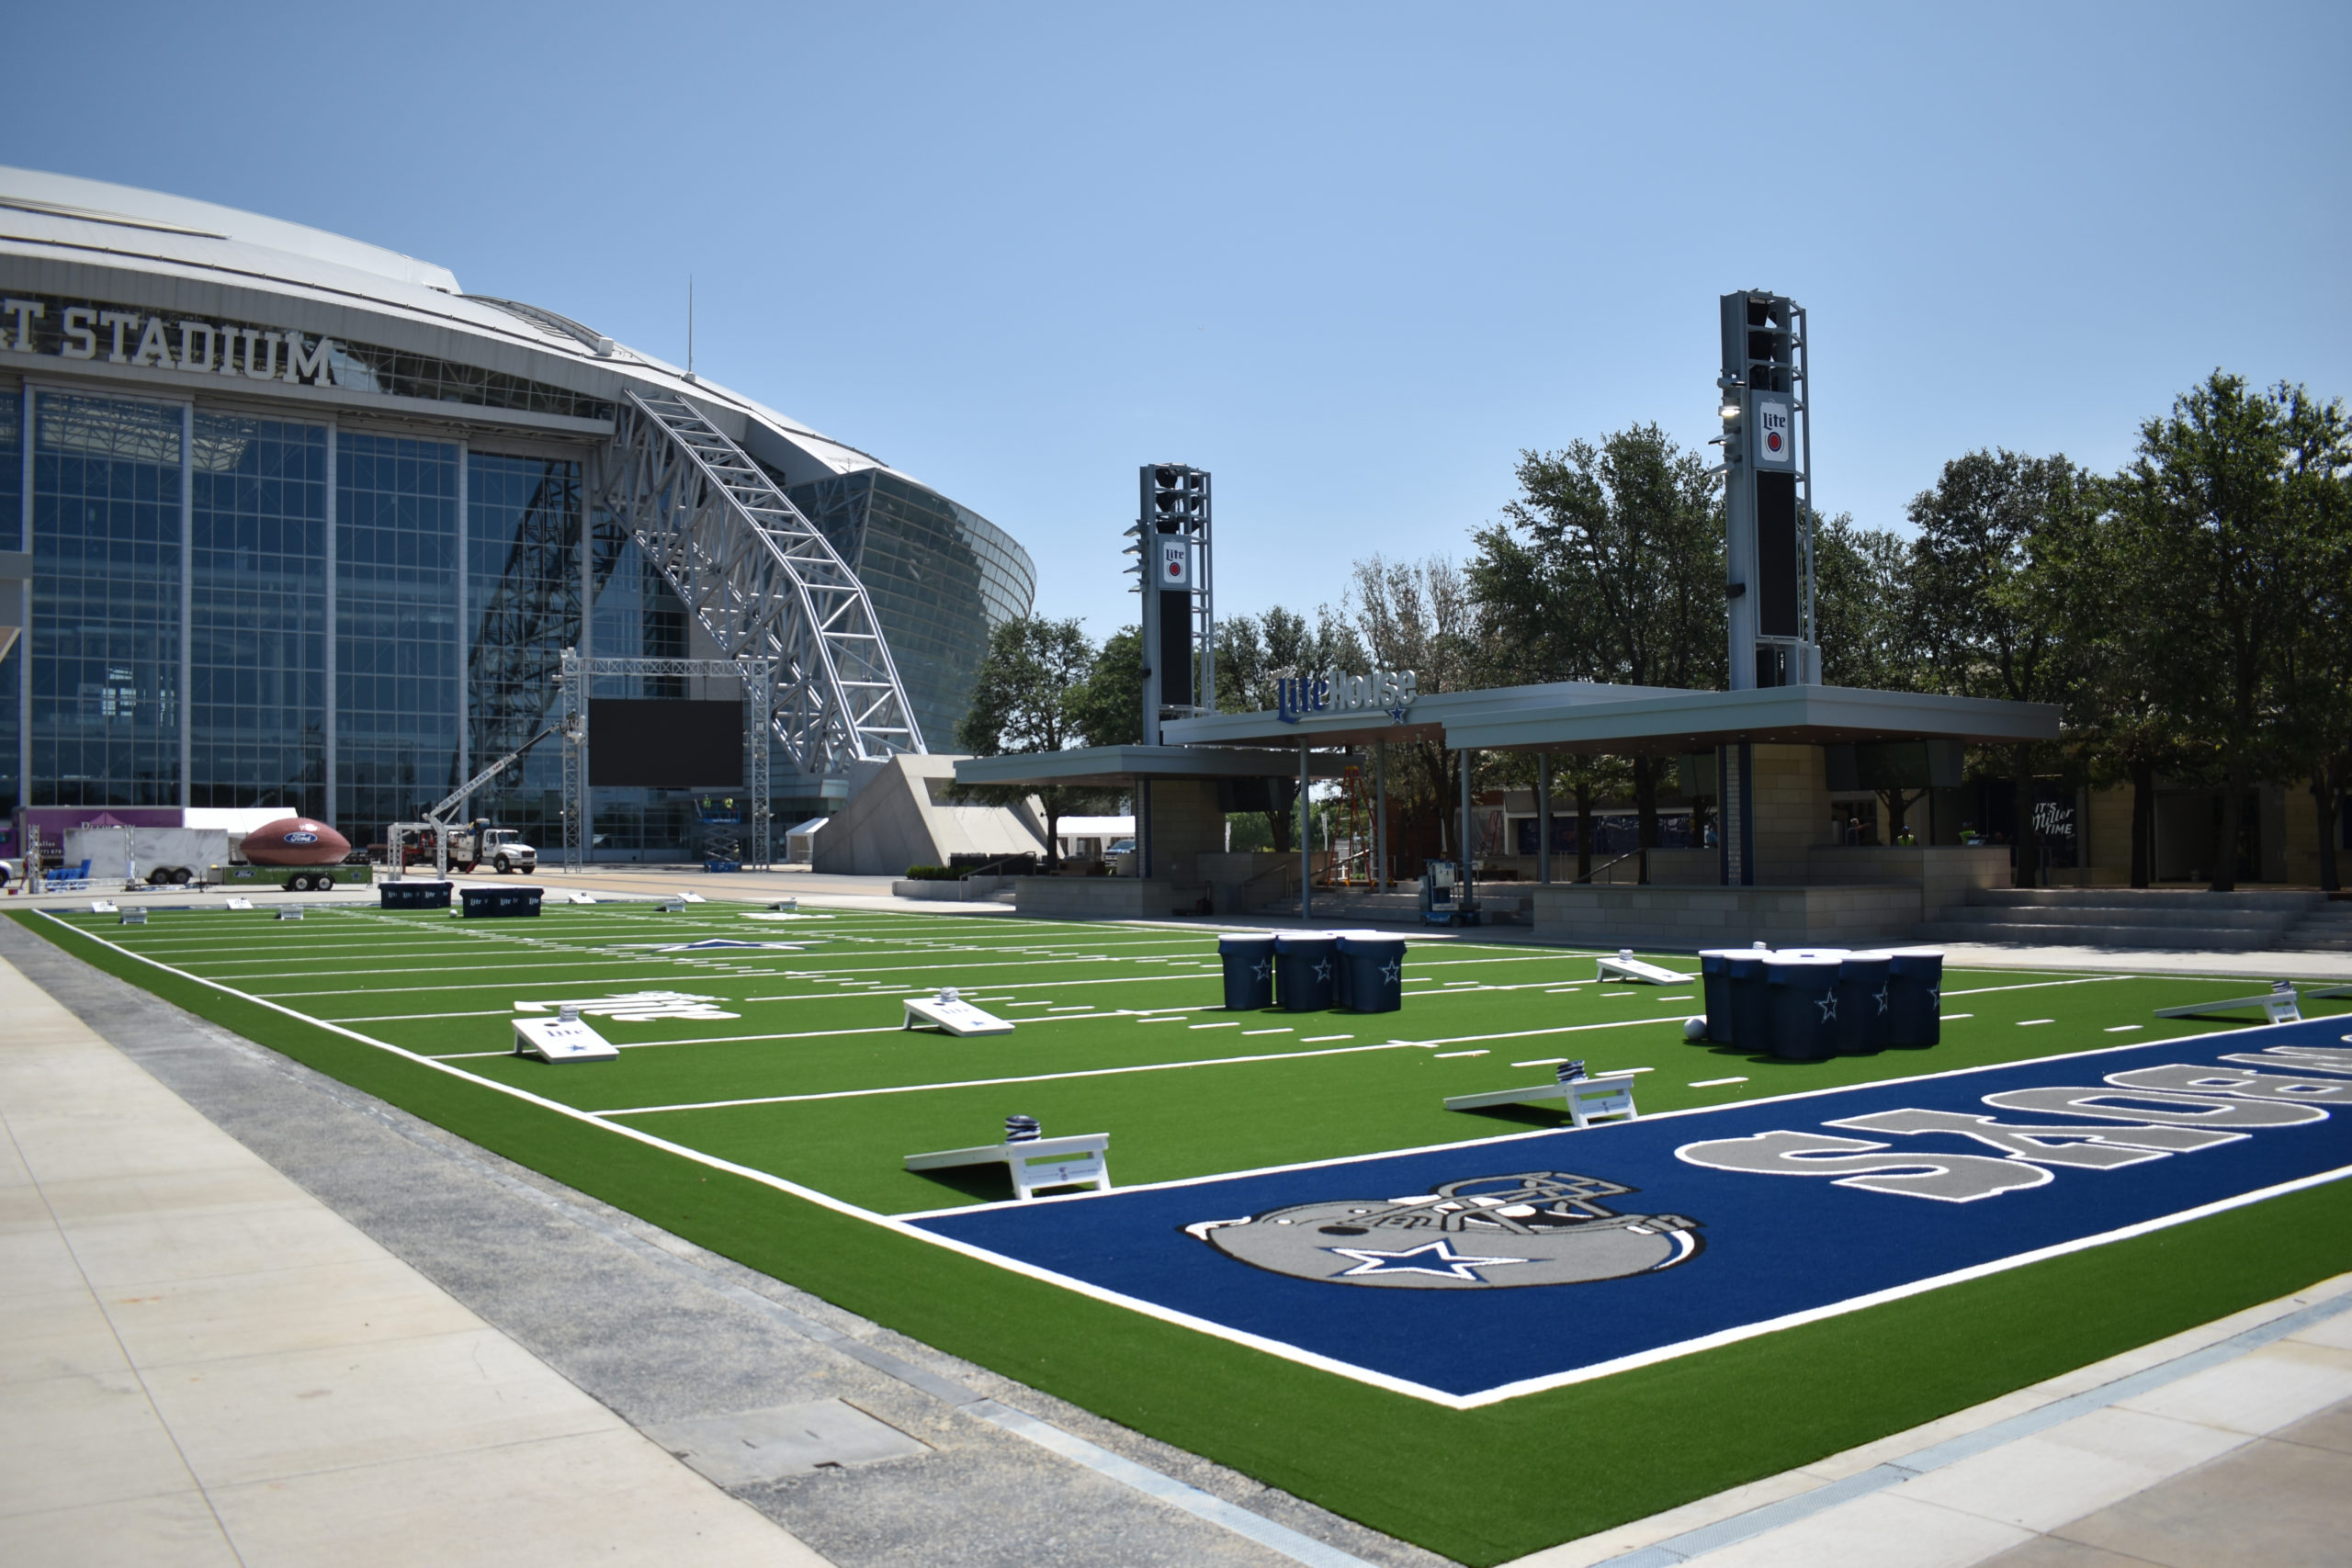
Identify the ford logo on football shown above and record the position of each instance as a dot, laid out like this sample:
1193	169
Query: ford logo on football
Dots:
301	838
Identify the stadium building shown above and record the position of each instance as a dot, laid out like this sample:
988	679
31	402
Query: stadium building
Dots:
295	521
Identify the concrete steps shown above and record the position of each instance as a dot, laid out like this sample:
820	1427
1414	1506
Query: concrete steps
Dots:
2327	928
1503	900
2134	918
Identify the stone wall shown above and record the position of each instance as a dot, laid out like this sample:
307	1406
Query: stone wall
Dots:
1791	804
1943	872
1185	825
1104	897
1688	918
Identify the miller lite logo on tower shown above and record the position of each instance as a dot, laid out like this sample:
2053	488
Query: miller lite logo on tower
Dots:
1175	564
1775	437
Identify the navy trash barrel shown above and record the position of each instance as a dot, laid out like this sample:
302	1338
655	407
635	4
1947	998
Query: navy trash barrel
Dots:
1715	974
1306	970
410	895
1371	971
1862	1003
1915	997
1248	972
1804	993
491	902
1751	1014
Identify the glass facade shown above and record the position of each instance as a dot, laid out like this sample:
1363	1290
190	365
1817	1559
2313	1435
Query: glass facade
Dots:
11	607
257	628
229	610
523	519
941	577
108	482
396	668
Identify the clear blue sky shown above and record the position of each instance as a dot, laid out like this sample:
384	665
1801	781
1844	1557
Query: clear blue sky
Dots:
1350	257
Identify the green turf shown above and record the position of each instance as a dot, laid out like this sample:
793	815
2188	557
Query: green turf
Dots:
1570	1460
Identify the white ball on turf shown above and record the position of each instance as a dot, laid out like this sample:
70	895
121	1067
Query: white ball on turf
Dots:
1694	1028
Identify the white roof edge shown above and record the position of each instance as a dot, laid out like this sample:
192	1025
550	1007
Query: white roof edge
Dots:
101	199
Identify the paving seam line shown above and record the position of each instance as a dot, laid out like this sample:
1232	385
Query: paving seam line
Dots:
1756	1521
1161	1488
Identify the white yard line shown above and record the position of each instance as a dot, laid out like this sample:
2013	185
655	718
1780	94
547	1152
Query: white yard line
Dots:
988	1083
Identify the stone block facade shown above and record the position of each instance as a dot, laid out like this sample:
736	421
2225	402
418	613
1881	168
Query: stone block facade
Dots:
1688	918
1104	897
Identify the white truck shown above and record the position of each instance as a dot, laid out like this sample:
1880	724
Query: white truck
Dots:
157	856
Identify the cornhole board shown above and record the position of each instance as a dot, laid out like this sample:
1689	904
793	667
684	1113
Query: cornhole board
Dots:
1076	1161
103	907
238	904
289	914
133	918
1610	1094
1646	973
2278	1007
579	897
562	1040
958	1017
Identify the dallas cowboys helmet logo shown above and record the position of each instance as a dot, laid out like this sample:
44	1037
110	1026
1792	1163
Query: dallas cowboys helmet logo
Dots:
1544	1227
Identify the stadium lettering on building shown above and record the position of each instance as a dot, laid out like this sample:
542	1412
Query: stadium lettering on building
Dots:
138	339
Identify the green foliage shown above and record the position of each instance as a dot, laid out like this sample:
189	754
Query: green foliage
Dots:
1025	700
2235	504
1861	607
934	873
1108	709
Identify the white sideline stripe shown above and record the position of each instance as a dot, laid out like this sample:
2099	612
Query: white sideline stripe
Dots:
987	1083
1682	1548
1716	1083
899	1224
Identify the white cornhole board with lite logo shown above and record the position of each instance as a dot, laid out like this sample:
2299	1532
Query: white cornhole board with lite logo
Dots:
1625	967
950	1013
1610	1094
1080	1160
562	1040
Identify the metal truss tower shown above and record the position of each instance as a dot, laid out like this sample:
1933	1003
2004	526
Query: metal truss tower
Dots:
758	676
763	581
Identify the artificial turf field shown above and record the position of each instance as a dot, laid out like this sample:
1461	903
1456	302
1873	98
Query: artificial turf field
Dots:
766	1097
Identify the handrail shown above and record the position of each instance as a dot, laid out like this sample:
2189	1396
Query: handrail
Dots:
1596	871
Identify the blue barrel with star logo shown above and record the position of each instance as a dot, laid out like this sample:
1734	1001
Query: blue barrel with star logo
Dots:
1864	1003
1802	1004
1749	1015
1248	972
1371	971
1915	997
1306	971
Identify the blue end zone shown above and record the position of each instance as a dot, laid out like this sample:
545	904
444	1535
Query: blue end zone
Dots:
1488	1269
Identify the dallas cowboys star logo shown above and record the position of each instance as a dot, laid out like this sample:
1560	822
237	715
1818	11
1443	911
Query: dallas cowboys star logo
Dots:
1935	995
1881	999
1264	968
1323	970
1436	1257
1392	970
1828	1006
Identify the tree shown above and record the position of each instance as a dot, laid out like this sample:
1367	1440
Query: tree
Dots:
1021	703
1996	585
1420	615
2239	496
1108	709
1864	622
1252	653
1609	565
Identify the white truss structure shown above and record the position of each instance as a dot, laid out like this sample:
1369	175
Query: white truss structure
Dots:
758	676
760	578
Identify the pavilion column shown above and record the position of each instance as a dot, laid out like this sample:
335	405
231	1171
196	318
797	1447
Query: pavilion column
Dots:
1380	877
1306	840
1543	817
1735	815
1468	859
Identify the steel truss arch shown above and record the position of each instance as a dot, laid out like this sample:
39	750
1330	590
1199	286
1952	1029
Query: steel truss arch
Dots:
760	580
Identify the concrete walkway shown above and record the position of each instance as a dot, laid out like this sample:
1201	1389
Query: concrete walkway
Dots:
2230	1444
201	1363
